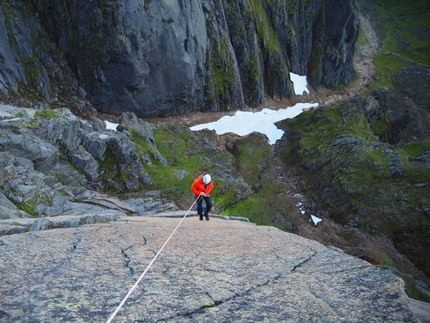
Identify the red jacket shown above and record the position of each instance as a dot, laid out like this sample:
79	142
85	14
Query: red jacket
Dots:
199	186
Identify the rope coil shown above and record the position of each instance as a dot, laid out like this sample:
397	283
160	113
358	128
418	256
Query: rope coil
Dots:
112	316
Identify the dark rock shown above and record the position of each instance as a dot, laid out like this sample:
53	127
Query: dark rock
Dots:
158	59
348	143
405	110
341	33
31	65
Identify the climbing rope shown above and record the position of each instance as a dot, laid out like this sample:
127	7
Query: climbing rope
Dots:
149	266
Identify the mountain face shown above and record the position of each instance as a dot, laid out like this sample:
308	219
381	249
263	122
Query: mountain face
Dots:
157	58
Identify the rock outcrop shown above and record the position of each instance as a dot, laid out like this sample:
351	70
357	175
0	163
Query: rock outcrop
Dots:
214	271
157	58
51	161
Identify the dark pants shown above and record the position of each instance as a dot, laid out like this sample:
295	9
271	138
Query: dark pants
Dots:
208	202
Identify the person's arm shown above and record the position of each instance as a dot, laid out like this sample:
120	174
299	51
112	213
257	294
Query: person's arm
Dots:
195	188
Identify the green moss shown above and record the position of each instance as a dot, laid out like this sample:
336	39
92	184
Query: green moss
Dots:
177	146
141	146
251	160
225	196
387	65
48	114
262	207
29	209
222	77
265	30
376	157
72	306
361	39
401	28
416	149
111	175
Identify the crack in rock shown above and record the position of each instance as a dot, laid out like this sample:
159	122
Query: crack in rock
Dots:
127	259
340	271
216	303
303	262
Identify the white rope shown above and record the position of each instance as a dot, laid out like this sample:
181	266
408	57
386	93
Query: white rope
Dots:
147	268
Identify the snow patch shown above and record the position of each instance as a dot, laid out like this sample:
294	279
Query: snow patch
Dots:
243	123
111	125
300	83
315	219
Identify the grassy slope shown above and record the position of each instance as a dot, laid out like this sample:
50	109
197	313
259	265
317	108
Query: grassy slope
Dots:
403	29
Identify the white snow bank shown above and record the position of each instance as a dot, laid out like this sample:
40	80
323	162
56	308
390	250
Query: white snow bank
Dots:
300	83
243	123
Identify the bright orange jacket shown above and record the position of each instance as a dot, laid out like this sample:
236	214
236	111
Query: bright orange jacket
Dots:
199	186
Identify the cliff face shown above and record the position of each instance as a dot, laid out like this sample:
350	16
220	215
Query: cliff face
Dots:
159	58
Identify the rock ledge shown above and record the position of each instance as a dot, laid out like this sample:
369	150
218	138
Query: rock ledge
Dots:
216	271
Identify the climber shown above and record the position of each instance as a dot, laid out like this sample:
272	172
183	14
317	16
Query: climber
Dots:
201	188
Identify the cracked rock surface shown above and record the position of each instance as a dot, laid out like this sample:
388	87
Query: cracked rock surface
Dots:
216	271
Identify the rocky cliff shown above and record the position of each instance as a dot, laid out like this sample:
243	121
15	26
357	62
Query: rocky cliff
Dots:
158	58
216	271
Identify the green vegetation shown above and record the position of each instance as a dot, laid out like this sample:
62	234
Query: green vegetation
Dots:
344	154
264	29
262	207
403	29
141	146
222	67
361	39
185	156
111	173
29	209
72	306
48	114
415	149
253	162
191	153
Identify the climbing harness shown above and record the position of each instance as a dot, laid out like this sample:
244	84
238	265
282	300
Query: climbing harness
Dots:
149	266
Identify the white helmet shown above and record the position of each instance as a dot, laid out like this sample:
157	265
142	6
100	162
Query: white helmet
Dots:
207	179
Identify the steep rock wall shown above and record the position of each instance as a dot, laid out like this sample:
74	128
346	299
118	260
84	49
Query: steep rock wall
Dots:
159	58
